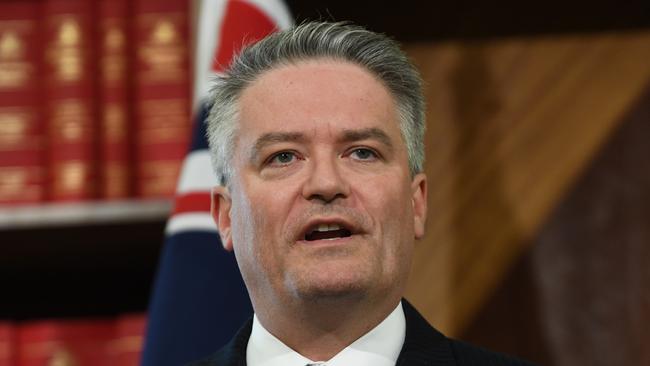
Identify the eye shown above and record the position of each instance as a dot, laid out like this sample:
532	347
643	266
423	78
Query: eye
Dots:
364	154
282	158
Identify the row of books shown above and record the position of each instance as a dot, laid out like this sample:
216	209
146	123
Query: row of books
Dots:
94	98
96	342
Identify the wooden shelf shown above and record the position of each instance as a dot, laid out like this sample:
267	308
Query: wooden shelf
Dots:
84	213
79	259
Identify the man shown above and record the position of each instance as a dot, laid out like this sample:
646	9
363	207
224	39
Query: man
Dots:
317	136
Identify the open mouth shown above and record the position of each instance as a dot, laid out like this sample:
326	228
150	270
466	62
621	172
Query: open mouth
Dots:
327	231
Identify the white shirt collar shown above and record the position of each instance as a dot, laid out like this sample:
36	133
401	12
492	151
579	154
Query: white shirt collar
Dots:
379	347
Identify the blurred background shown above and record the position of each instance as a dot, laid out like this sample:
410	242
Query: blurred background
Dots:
538	240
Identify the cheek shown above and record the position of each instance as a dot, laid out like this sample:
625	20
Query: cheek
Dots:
392	204
257	221
242	236
249	241
248	212
392	211
247	220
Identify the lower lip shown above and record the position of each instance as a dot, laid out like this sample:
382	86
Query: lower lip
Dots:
327	242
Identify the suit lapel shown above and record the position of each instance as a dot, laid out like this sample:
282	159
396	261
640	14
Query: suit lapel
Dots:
233	353
423	344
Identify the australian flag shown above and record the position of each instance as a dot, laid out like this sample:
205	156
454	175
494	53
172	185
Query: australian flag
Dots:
199	299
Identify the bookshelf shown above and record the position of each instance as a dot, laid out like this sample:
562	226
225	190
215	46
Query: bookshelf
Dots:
94	102
80	259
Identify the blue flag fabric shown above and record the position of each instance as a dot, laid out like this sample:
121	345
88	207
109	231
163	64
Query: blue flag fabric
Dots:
199	299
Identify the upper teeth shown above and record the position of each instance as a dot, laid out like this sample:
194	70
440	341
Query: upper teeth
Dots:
328	227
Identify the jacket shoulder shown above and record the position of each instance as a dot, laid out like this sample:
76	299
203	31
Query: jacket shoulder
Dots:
219	358
209	361
233	353
470	355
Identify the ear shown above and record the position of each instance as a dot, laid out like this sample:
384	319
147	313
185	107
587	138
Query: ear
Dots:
419	199
220	211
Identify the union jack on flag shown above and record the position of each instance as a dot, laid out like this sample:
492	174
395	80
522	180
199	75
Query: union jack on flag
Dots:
199	299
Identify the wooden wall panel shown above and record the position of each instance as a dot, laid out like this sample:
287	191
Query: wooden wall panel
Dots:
581	293
591	259
512	123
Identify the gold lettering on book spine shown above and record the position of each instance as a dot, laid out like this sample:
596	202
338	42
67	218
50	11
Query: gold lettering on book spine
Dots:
65	53
12	182
11	46
20	183
15	68
116	179
160	177
70	177
163	52
14	128
114	60
163	121
69	121
114	118
62	357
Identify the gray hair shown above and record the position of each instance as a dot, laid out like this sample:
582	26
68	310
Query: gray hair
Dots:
377	53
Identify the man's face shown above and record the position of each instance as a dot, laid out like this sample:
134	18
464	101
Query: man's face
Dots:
321	203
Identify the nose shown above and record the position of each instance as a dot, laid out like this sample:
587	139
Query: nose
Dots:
325	182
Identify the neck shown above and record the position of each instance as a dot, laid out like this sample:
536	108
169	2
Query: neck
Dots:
320	329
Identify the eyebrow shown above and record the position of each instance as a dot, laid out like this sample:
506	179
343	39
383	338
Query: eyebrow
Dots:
271	138
372	133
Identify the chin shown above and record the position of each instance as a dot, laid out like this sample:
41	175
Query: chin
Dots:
331	286
332	293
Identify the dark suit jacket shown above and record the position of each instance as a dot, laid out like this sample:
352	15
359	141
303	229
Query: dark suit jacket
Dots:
423	345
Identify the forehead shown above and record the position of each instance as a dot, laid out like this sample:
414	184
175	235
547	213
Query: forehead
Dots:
314	95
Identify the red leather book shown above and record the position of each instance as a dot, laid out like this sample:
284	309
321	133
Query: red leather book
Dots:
69	86
114	113
126	348
161	86
21	129
7	344
71	342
